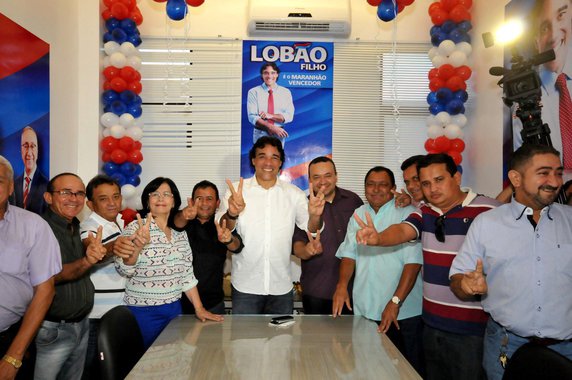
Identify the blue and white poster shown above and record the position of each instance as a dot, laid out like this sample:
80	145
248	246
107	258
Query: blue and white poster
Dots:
287	92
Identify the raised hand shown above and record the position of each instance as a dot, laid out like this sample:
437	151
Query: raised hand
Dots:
236	202
475	282
190	211
95	251
402	199
143	235
123	247
317	201
367	235
223	233
314	246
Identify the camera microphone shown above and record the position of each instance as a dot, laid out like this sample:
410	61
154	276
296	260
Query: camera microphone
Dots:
497	71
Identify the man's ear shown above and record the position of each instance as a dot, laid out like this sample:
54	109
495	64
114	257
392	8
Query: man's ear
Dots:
457	176
48	197
515	178
90	205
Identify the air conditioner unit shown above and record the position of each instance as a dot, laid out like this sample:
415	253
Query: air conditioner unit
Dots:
307	18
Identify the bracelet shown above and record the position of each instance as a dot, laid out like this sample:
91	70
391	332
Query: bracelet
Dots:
228	242
231	217
15	362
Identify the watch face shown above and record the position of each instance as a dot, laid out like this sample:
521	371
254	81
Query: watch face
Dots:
396	300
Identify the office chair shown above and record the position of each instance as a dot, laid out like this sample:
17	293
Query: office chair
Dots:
532	361
120	343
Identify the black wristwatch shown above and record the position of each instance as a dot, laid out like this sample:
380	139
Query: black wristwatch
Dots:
231	217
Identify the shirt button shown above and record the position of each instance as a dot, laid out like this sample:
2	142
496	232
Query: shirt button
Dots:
537	235
538	283
538	258
539	308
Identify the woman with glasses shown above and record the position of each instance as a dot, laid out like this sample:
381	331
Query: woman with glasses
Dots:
158	266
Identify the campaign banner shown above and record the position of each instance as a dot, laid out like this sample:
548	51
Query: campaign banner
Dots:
298	110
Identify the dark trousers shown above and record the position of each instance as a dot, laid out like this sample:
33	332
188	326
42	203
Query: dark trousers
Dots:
91	368
315	305
451	356
26	371
409	341
245	303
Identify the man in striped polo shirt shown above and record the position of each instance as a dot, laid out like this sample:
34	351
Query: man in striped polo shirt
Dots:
453	335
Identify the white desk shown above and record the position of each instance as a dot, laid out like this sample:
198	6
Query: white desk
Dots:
246	347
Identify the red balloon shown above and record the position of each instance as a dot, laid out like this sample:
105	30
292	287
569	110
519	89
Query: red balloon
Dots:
374	3
456	156
137	145
118	156
455	83
446	71
137	75
128	73
436	6
135	156
119	11
464	72
128	215
436	83
108	3
466	3
459	13
442	144
400	7
135	86
106	156
160	1
457	145
106	85
110	72
136	16
439	17
108	144
433	73
126	143
130	4
430	145
447	5
118	84
407	2
106	14
195	3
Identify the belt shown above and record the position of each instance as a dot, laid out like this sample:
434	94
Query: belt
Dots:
69	320
545	341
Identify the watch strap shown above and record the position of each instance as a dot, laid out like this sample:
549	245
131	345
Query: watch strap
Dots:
15	362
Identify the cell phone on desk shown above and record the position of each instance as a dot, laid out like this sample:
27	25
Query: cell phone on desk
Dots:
285	319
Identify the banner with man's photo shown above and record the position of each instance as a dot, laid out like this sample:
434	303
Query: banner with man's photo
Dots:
287	92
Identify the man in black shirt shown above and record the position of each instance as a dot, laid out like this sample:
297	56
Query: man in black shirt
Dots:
209	243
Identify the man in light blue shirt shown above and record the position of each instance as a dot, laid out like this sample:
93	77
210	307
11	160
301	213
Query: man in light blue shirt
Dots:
269	105
387	286
519	258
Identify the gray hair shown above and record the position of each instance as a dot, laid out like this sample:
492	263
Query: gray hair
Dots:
7	165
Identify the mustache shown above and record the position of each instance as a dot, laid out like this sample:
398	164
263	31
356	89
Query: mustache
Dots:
548	188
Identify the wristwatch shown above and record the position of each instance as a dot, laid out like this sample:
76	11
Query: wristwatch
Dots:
15	362
396	300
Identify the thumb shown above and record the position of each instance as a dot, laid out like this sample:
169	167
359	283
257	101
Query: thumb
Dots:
479	268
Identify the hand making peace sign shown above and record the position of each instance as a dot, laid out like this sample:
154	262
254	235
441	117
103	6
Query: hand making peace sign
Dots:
236	202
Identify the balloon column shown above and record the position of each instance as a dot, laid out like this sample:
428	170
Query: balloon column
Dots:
122	126
388	9
447	80
177	9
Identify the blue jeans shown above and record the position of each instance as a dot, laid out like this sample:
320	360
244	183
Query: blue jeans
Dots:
493	345
451	356
61	350
245	303
153	319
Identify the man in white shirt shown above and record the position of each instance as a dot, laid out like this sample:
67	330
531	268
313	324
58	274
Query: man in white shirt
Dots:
104	199
264	211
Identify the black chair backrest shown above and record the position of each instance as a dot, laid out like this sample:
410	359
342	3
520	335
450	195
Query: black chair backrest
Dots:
120	343
532	361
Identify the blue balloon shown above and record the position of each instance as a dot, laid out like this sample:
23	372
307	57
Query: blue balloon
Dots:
112	23
461	95
432	98
138	169
176	9
107	36
118	107
455	107
438	38
110	168
119	178
134	110
465	26
134	180
127	97
119	35
128	169
109	96
460	169
434	30
444	95
128	25
107	108
435	108
386	10
135	39
448	26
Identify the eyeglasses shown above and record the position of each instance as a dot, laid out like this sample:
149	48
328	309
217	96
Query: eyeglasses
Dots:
157	195
66	194
440	228
27	146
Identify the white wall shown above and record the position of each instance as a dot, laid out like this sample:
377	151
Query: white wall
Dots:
72	28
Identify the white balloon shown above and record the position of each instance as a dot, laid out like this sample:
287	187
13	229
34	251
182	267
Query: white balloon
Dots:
128	48
433	52
111	47
124	203
452	131
443	118
117	131
134	132
106	132
128	191
430	120
106	62
459	119
457	58
465	47
439	60
118	59
134	61
134	202
108	119
446	47
126	120
434	131
138	122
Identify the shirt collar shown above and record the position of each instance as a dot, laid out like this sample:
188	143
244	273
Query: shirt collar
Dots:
471	195
102	221
519	210
60	220
254	183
